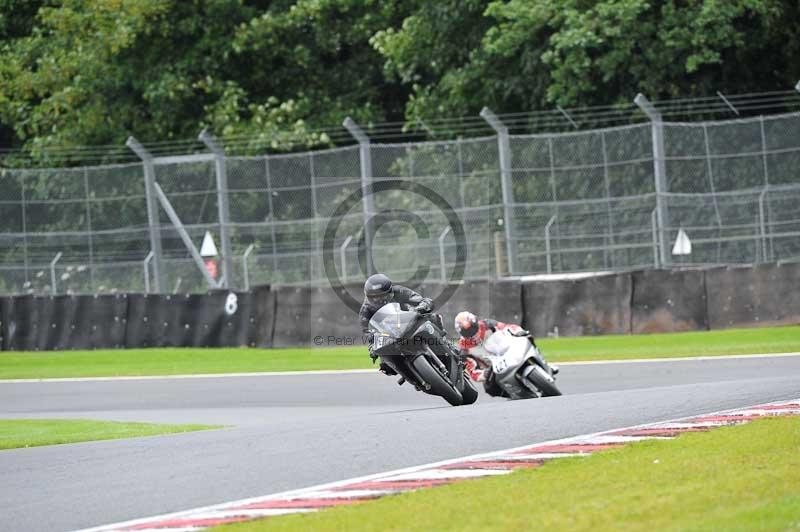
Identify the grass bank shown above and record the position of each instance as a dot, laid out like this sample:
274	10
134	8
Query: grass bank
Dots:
132	362
17	433
736	478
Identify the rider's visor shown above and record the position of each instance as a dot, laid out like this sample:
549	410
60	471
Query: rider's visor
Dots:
380	300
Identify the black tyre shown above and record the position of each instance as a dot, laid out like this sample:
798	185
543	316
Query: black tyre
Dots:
490	385
539	378
469	393
438	385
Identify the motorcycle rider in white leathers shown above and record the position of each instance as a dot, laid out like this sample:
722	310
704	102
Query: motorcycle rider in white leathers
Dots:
474	334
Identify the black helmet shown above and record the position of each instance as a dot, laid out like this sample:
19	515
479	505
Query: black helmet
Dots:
378	289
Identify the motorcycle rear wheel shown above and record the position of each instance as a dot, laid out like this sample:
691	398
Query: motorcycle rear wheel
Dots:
438	385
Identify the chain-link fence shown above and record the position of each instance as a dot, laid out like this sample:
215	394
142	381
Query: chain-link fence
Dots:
567	202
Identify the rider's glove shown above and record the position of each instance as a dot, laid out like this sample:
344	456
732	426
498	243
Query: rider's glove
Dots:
387	370
475	373
424	306
371	349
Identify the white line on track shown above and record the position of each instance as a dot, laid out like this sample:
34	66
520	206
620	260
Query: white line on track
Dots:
358	371
410	472
677	359
198	376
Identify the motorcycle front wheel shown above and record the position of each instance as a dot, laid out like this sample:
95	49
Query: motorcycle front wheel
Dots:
438	385
543	381
469	394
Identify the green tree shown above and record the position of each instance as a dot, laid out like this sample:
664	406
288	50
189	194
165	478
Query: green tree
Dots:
91	72
309	64
532	55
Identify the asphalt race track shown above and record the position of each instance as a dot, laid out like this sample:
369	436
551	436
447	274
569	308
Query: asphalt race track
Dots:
289	432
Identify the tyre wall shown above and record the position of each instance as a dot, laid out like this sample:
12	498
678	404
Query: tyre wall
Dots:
63	322
289	316
215	319
315	316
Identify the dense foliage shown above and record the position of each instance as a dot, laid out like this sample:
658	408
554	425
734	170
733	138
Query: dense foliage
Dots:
88	72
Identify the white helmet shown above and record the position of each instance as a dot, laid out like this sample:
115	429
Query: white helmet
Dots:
466	323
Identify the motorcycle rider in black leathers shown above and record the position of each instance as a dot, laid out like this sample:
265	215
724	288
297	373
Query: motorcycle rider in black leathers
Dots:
378	291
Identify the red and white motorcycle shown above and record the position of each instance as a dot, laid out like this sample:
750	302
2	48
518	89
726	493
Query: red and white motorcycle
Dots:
519	367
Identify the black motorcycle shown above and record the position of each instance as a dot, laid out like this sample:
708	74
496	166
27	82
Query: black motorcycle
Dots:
415	345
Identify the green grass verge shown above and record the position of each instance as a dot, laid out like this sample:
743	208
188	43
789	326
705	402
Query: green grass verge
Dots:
102	363
174	361
735	478
16	433
674	345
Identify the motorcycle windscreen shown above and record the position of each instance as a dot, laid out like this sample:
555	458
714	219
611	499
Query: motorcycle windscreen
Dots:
390	320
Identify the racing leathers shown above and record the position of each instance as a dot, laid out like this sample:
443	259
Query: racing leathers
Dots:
408	300
478	364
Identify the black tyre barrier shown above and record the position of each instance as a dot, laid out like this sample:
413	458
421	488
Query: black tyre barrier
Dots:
281	316
316	316
292	316
63	322
265	315
216	319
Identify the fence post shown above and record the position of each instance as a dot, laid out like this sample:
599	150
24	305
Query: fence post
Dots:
654	225
89	228
710	171
187	240
607	183
315	224
762	223
504	150
367	204
152	210
222	204
245	269
547	243
25	257
146	264
53	272
499	261
461	173
272	218
441	253
659	170
343	256
764	150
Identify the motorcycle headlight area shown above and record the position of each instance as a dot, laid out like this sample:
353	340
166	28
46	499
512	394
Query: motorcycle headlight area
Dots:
381	341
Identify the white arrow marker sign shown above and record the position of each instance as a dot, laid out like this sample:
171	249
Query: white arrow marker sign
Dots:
208	248
683	246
